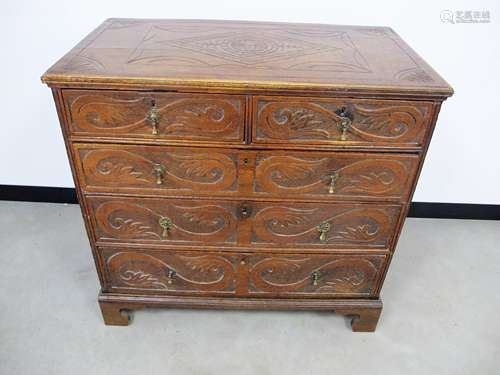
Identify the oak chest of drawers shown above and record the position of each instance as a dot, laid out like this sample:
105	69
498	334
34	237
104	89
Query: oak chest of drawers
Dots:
244	165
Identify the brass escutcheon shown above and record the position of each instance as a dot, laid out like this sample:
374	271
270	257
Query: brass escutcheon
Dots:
245	210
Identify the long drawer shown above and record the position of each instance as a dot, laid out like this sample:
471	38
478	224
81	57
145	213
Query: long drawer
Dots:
217	222
163	170
340	122
155	115
242	274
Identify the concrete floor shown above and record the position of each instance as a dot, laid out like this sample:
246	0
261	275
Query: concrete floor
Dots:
441	313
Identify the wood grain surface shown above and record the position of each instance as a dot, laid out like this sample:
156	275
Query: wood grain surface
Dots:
244	54
224	164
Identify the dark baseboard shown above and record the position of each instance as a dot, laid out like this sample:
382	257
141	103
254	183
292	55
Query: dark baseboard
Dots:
455	211
37	194
417	209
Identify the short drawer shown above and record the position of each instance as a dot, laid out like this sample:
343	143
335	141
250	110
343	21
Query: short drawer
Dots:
157	170
155	115
340	122
324	226
160	272
277	275
334	175
242	274
164	221
218	222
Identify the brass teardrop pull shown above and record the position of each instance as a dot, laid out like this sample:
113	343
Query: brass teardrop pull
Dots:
159	172
171	275
166	224
315	278
344	122
323	229
153	117
334	176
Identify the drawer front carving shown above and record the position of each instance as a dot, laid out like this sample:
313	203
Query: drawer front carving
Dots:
170	272
164	221
151	169
315	275
226	223
169	116
334	175
334	225
242	274
344	122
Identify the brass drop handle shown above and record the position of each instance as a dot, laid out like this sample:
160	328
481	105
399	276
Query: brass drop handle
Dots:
153	118
344	122
166	224
334	176
323	229
315	278
171	275
159	172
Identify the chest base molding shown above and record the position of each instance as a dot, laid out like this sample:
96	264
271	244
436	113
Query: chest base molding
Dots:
364	313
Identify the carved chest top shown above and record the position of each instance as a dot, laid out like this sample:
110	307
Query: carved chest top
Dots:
244	164
248	55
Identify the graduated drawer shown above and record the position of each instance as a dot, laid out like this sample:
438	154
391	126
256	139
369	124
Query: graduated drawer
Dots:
334	175
216	171
157	170
340	122
242	274
170	221
155	115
